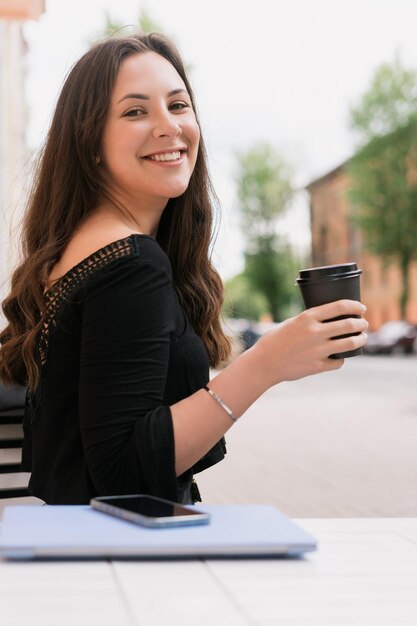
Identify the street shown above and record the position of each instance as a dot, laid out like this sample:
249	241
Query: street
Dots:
340	444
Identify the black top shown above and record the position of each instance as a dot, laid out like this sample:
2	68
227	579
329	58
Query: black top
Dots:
116	350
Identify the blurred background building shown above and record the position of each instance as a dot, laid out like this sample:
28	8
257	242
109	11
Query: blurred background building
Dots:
14	155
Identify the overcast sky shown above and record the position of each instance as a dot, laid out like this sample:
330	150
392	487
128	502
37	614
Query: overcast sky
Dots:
266	70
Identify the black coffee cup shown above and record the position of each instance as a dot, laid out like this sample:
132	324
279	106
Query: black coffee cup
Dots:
320	285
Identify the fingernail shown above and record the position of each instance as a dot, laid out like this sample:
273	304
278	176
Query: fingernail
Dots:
363	308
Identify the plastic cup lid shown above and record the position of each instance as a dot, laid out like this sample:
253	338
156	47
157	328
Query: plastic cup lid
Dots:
328	272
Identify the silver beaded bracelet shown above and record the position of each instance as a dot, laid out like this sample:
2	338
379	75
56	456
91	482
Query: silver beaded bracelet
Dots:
221	402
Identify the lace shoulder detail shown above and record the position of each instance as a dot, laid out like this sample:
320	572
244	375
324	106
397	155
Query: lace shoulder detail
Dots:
77	276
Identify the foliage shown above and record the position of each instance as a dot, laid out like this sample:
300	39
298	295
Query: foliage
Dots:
146	23
113	27
264	190
271	270
242	301
388	104
384	170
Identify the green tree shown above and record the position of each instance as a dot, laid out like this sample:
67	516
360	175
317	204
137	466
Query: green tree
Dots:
242	301
388	104
147	24
384	170
264	190
112	26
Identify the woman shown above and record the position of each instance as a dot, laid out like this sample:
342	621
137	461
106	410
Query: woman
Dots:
114	311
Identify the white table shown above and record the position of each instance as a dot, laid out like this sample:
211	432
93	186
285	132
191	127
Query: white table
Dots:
364	574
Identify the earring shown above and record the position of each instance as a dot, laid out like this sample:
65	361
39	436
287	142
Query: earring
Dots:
97	160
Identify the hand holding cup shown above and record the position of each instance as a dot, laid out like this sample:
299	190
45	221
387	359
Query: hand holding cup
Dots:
301	345
318	339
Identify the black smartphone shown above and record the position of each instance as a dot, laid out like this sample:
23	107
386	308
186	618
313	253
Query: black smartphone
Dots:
149	511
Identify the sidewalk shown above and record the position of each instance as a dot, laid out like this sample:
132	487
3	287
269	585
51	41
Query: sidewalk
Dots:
343	444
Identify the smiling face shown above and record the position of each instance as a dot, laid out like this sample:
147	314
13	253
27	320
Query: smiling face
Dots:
151	137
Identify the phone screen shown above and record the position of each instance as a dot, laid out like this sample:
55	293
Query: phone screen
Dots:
150	507
149	510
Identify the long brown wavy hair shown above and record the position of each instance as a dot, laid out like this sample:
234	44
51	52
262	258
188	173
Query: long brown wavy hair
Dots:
66	188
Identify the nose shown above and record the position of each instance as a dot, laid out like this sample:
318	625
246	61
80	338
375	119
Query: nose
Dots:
166	125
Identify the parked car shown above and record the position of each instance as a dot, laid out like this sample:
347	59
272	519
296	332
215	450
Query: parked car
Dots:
243	334
249	337
392	338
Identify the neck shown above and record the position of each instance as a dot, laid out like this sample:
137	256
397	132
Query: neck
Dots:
143	217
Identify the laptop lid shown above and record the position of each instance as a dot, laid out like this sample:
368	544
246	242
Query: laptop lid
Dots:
66	531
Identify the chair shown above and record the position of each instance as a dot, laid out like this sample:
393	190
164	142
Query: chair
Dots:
13	482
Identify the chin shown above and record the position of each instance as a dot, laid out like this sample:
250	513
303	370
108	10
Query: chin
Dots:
178	190
179	194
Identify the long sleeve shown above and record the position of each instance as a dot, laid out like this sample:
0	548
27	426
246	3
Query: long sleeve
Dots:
127	432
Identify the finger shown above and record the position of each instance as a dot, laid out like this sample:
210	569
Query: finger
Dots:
337	308
345	327
347	343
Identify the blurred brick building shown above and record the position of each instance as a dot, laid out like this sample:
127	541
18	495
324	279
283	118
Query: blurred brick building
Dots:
336	240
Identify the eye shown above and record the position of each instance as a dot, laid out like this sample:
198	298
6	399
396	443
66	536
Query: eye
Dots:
134	113
179	106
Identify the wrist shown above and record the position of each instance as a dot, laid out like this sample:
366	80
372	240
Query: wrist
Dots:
255	363
241	383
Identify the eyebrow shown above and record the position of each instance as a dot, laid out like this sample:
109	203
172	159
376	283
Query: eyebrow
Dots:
141	96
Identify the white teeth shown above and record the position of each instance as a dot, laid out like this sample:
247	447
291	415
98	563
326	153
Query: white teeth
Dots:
167	156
